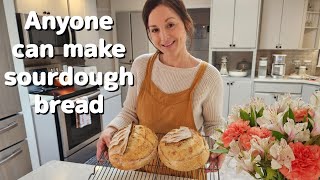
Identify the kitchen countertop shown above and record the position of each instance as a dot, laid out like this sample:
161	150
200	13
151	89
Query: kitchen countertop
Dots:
288	80
62	170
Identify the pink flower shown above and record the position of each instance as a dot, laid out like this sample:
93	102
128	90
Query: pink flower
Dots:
302	113
254	131
234	130
306	165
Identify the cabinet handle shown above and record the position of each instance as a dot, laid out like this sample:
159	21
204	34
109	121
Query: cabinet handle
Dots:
230	45
277	47
130	60
44	12
280	47
231	83
234	45
7	128
14	154
48	13
228	84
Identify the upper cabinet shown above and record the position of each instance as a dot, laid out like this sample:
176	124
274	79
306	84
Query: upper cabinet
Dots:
43	7
84	8
282	24
234	23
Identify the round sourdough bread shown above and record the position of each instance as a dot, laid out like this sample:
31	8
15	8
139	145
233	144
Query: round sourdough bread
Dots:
133	147
183	150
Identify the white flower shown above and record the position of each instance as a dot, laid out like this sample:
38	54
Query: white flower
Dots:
246	161
234	148
296	132
282	155
271	120
261	144
282	105
315	100
316	124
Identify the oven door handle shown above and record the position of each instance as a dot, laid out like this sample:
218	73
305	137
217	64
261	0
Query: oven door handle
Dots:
89	96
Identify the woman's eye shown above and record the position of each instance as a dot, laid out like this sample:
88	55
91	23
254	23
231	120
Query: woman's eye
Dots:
154	30
171	25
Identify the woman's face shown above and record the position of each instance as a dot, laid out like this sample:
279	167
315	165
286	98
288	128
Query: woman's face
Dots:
167	31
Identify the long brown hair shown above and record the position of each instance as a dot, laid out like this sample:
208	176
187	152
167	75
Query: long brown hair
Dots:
177	6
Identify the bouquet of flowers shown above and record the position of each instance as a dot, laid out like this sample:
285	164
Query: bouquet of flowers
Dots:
279	141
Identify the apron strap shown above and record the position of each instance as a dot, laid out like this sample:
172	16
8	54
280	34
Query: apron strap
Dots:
202	69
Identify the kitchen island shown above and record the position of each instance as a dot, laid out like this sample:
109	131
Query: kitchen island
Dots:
62	170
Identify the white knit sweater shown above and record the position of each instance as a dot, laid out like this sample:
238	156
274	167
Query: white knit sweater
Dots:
207	98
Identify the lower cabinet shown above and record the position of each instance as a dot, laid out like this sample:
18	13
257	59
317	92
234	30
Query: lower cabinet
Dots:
308	90
270	98
236	92
112	107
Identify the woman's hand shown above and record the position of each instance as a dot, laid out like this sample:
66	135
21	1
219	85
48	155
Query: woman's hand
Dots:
104	141
216	161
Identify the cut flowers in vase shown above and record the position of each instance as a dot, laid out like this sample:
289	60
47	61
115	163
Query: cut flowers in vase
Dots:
278	141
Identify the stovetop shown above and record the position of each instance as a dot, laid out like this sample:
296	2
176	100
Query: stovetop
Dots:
63	92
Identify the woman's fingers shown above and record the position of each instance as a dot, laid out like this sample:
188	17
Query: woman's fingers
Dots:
216	161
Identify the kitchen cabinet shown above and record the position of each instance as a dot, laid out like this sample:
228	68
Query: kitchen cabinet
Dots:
112	107
282	24
84	8
308	90
234	23
14	151
236	92
271	92
43	7
132	34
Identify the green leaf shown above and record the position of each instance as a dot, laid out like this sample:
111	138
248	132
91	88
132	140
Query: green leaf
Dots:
310	127
258	170
271	174
219	130
219	143
253	117
291	115
244	115
277	135
260	113
285	117
219	151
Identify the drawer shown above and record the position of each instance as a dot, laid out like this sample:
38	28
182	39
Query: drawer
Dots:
12	130
278	88
15	161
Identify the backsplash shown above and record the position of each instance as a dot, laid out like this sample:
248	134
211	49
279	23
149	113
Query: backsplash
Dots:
291	55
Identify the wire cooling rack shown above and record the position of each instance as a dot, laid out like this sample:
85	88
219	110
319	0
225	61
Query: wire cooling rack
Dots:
155	170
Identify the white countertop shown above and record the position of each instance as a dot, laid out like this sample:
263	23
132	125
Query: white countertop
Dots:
287	80
61	170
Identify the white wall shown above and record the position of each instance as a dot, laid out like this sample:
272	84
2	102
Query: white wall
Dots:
23	91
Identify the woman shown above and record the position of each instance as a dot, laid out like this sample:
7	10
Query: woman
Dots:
172	88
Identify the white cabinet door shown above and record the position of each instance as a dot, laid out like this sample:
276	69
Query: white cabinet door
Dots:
308	90
57	7
268	98
292	24
240	93
226	88
270	24
112	107
23	6
222	16
246	23
84	8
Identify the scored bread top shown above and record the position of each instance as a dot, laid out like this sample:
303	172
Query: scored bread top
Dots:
141	143
184	149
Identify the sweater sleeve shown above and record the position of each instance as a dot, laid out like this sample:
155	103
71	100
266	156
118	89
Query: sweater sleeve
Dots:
128	113
212	109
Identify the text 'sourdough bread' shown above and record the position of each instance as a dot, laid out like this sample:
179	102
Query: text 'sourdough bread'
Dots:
133	147
183	150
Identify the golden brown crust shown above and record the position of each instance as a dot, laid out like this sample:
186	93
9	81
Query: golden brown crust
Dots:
186	155
141	149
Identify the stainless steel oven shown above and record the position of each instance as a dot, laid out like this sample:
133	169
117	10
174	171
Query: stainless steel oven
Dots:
79	144
38	37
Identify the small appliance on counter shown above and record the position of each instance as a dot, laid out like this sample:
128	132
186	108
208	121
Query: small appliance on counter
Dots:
223	70
263	65
278	65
